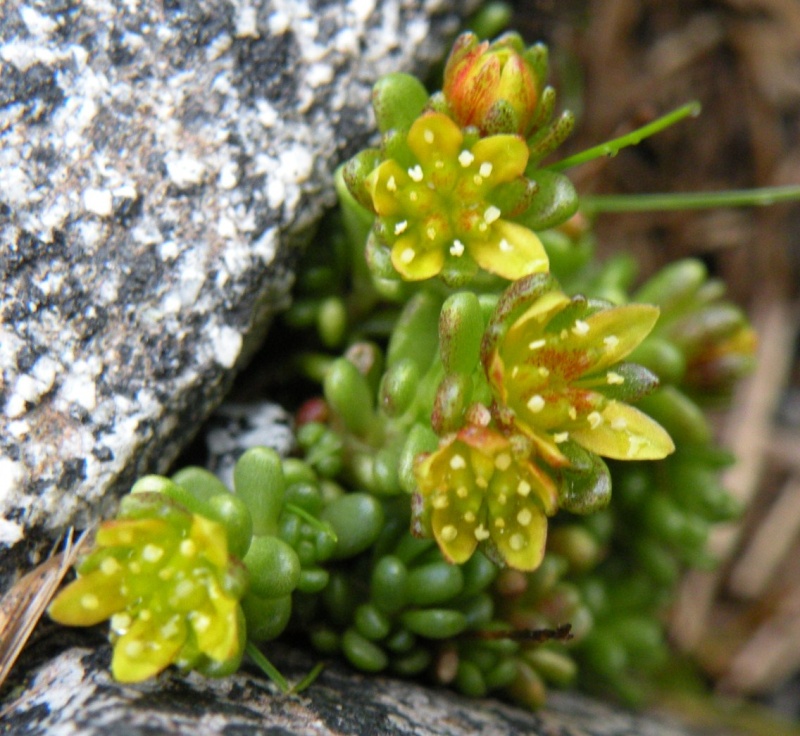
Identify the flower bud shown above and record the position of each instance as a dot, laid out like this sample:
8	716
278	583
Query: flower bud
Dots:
491	86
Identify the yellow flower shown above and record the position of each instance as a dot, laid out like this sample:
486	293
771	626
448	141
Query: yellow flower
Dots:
553	364
474	490
165	579
447	206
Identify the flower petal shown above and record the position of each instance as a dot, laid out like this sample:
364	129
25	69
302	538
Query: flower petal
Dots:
508	155
142	652
611	334
625	433
435	136
88	600
383	184
517	524
412	262
512	251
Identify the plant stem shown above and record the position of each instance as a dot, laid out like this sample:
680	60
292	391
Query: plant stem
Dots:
267	667
689	200
614	146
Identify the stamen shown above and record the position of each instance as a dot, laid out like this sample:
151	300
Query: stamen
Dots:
536	344
573	413
400	227
407	255
580	327
109	566
188	548
517	542
478	179
524	488
524	517
428	136
448	533
503	461
391	184
560	437
430	231
457	248
485	169
595	419
465	158
536	403
457	462
152	553
120	622
611	341
201	622
491	214
134	649
415	172
505	246
615	379
481	533
543	372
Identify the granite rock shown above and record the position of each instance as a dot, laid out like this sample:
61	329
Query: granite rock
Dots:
162	163
73	693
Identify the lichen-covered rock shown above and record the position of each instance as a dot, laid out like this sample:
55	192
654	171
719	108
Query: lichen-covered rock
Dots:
74	694
160	164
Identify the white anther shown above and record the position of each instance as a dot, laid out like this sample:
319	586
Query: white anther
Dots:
491	214
517	542
391	184
560	437
201	622
109	566
543	372
524	517
536	344
457	462
90	601
481	533
415	172
505	246
430	231
465	158
400	227
457	248
503	461
407	255
615	379
188	548
120	623
595	419
524	488
440	502
152	553
611	341
580	327
536	403
485	169
428	136
448	533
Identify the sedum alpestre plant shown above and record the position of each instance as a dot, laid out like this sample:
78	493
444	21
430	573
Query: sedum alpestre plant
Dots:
506	467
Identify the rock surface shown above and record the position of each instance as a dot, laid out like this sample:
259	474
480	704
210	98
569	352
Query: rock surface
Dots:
161	163
74	694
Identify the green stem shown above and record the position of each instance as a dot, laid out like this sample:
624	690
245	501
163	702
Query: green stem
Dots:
320	526
267	667
614	146
310	678
689	200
